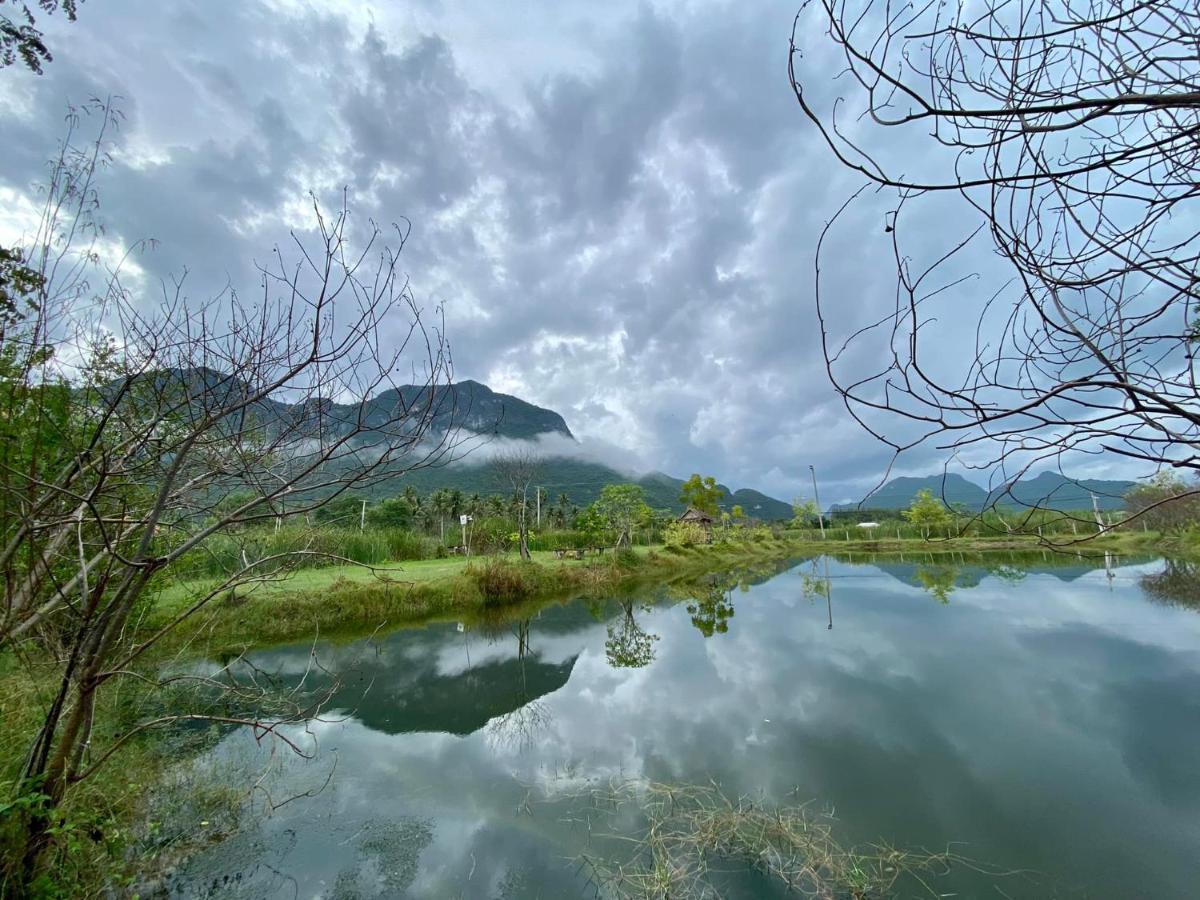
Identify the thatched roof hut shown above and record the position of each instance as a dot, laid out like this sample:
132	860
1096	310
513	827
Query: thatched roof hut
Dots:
697	517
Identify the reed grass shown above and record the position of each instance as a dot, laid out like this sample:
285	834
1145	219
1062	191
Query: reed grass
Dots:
694	836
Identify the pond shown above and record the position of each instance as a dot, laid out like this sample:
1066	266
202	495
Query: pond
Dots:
1039	717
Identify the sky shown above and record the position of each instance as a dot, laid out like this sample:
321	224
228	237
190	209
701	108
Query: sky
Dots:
616	204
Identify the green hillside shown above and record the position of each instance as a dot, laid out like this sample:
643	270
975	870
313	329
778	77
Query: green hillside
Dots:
580	480
1049	490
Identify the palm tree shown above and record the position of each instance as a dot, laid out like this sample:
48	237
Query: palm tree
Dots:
474	505
420	508
440	503
495	504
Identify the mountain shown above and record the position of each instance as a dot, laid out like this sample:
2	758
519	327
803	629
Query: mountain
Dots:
1047	489
1050	489
899	492
757	505
582	481
466	406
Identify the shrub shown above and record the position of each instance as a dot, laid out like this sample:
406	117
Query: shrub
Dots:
684	534
627	558
500	581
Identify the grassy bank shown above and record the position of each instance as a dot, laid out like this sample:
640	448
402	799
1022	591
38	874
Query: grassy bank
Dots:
345	599
342	600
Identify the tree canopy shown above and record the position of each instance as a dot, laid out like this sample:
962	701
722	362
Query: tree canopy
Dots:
702	493
926	511
20	38
623	506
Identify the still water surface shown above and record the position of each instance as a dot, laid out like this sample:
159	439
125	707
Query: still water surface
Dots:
1041	716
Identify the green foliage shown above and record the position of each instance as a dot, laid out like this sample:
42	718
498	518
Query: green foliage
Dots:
629	645
1166	503
396	512
711	609
702	493
804	512
684	534
627	558
926	512
593	526
622	506
20	37
225	552
343	510
938	580
501	581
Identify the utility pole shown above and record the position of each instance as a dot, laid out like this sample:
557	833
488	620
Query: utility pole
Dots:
1096	513
538	492
817	498
362	517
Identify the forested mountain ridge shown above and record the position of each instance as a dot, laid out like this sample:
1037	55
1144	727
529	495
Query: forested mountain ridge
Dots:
1050	490
474	416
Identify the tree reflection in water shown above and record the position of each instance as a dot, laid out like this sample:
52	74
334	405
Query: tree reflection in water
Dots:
629	646
814	585
712	609
1178	584
519	728
938	580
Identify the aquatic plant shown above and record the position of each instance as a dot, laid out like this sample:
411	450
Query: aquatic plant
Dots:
693	834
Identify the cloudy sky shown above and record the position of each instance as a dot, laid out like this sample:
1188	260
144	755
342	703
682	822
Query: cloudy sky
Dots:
616	203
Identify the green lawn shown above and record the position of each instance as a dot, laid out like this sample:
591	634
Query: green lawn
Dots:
171	598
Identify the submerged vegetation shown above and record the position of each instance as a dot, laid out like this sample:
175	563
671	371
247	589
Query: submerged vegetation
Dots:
694	838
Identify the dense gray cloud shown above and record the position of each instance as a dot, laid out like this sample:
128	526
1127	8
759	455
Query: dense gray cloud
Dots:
617	205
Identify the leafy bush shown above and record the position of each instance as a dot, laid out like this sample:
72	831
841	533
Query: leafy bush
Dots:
627	558
501	581
684	534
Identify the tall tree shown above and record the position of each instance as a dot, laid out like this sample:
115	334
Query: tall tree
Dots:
153	430
517	469
622	505
702	493
926	512
441	503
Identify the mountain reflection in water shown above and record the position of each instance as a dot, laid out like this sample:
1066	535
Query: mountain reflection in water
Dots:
1039	711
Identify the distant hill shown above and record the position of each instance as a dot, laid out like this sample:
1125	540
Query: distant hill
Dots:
899	492
1048	490
475	407
468	407
465	404
581	481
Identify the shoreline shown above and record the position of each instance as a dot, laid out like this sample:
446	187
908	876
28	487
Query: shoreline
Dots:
337	601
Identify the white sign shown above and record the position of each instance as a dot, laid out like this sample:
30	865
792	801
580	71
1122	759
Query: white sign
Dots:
464	519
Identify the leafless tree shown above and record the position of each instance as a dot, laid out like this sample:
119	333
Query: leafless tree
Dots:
1070	134
517	468
135	430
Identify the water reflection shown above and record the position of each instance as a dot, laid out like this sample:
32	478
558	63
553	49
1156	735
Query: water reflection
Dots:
1177	583
938	581
1043	718
629	646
